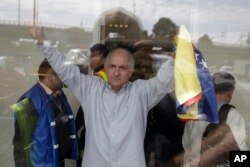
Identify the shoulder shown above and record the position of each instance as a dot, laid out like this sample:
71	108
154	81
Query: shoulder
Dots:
35	90
235	120
234	116
37	96
24	106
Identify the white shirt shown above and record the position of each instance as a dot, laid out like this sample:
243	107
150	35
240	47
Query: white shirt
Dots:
194	130
115	122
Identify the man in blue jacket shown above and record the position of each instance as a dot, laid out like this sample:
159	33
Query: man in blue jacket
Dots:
44	124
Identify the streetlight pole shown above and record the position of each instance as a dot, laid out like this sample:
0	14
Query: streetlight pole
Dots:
134	7
34	13
18	12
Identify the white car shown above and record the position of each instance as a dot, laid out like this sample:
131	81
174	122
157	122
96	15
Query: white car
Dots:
79	57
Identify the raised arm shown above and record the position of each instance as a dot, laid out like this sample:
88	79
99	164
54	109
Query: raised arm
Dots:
157	87
68	73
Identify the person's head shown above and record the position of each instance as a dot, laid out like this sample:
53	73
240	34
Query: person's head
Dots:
143	65
97	56
119	67
224	85
48	76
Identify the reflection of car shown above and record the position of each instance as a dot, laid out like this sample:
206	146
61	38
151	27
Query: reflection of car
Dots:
158	60
79	57
228	69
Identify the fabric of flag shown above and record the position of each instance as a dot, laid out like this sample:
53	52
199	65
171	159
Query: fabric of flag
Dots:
195	95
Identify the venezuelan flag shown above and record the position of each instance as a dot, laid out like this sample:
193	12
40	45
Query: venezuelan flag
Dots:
195	96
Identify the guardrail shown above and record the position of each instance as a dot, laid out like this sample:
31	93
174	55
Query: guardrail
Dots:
50	25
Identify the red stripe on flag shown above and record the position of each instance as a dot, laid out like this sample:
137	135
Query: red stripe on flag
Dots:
193	100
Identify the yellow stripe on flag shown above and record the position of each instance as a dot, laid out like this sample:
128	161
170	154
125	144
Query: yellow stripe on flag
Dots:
192	113
186	77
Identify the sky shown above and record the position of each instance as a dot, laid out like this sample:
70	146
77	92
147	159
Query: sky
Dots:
226	21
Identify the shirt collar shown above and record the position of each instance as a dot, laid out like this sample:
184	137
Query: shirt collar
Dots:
47	89
220	103
122	89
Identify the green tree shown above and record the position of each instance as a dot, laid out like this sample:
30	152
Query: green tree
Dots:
165	27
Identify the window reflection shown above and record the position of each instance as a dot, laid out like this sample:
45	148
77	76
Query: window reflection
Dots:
223	37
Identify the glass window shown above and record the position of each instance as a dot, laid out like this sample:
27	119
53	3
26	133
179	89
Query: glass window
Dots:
148	28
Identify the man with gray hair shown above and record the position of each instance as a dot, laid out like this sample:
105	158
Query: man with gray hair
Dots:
115	111
223	82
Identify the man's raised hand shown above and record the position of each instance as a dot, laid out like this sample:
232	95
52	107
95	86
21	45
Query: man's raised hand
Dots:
37	33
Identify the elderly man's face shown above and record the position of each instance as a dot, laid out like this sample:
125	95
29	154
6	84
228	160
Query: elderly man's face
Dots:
118	70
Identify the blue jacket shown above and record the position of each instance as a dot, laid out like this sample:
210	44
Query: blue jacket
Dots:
44	142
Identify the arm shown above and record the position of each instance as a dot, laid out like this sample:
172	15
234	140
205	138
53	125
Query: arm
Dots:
156	88
217	145
25	117
214	148
19	153
68	73
165	76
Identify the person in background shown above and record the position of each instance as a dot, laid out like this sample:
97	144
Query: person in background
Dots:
98	53
164	130
97	56
45	132
164	133
208	144
116	110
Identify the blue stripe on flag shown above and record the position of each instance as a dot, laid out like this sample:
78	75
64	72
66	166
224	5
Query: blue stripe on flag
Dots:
208	105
